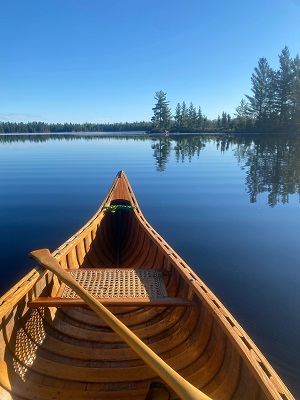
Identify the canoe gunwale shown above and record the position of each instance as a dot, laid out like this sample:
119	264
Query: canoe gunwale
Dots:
18	291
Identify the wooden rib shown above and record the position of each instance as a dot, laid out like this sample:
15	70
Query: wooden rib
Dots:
75	349
72	258
52	368
174	333
75	372
141	330
87	244
90	253
134	315
133	235
247	384
225	381
134	250
33	391
161	345
78	331
102	247
131	316
167	343
80	250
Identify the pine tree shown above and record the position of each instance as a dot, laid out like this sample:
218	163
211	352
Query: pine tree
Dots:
295	94
178	116
284	81
242	120
191	117
199	119
184	115
229	121
224	120
162	113
271	110
205	122
258	103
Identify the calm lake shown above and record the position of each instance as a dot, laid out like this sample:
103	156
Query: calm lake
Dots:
228	205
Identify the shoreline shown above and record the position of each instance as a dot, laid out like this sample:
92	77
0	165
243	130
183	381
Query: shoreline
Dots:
146	134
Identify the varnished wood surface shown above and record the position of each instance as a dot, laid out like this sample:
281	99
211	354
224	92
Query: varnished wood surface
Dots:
70	353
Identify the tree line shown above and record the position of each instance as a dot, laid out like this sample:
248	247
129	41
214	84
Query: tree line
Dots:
43	127
273	106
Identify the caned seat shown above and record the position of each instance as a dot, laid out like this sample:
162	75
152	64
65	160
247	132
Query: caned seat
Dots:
115	287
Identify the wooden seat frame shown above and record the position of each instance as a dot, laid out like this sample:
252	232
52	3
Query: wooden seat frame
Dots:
70	299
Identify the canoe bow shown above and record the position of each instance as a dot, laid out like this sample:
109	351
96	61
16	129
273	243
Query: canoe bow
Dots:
181	387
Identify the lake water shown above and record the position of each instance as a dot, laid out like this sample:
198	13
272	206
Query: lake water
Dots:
228	205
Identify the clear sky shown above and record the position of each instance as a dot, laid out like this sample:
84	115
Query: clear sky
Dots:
103	60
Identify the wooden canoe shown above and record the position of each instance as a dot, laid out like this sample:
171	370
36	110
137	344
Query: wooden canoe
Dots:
53	346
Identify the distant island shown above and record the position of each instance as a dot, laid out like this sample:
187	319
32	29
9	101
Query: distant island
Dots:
273	107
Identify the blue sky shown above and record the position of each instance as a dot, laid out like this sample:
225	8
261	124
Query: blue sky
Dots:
103	60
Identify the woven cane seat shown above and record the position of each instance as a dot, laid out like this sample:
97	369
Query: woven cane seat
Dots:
116	283
115	287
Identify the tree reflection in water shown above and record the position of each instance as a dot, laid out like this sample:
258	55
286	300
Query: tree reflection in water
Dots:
272	166
271	162
161	151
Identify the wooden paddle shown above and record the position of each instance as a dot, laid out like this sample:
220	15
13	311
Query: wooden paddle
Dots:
181	387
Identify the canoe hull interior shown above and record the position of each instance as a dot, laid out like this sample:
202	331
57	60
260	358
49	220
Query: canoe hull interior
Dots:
68	353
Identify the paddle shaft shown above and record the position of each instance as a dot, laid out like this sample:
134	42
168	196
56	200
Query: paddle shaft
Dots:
181	387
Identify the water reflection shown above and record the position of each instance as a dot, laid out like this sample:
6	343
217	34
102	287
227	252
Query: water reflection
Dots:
272	166
187	148
45	137
271	162
161	152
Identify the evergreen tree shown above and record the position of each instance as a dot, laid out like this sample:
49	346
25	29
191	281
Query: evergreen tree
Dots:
205	123
178	116
242	120
271	111
295	94
184	115
258	103
162	113
199	119
229	121
224	120
284	80
191	117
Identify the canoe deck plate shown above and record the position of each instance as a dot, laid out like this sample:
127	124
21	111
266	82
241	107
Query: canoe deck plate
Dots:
118	283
